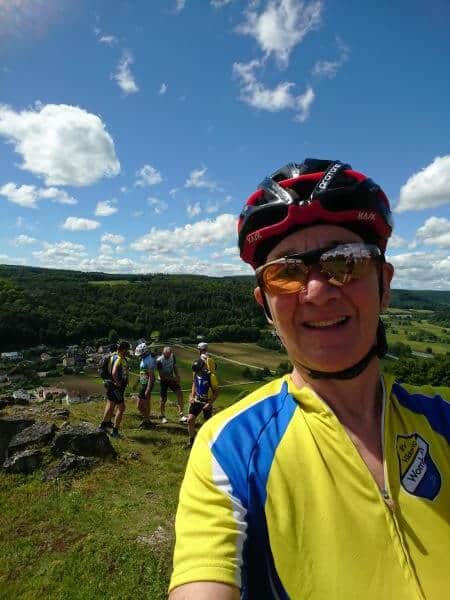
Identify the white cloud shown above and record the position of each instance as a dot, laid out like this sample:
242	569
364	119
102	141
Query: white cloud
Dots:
112	238
281	25
78	224
212	207
192	235
173	192
279	98
106	208
329	68
179	5
64	144
56	195
421	270
193	210
123	75
148	175
435	232
109	40
157	206
197	179
61	254
163	89
137	213
428	188
23	240
395	241
29	195
220	3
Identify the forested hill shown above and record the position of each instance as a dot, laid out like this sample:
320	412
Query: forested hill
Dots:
57	307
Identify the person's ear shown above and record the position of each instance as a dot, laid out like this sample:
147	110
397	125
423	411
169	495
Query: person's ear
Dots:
262	301
387	274
258	296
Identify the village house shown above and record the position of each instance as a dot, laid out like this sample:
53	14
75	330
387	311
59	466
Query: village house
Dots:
12	356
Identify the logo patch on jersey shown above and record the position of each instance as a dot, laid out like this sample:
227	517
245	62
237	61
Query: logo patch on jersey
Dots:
418	473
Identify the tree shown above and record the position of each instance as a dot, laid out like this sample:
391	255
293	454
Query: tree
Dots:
113	336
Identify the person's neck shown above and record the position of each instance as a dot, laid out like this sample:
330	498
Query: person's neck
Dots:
357	400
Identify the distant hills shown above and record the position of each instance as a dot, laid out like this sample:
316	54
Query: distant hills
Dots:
57	307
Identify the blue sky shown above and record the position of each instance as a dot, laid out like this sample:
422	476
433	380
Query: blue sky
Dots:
131	133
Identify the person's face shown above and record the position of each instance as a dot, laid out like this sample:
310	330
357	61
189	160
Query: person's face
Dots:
167	353
326	327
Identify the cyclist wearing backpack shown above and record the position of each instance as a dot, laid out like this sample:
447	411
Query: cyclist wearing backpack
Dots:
115	382
210	362
203	394
147	365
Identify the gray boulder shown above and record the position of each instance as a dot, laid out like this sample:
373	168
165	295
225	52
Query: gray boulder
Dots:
9	427
68	464
83	440
22	397
39	434
23	462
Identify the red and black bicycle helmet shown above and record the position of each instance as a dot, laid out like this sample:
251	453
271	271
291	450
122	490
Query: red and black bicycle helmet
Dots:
311	193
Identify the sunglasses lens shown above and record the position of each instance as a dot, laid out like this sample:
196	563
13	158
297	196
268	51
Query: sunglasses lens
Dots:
345	263
286	278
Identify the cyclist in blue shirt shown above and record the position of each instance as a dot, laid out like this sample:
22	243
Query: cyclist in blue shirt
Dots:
147	367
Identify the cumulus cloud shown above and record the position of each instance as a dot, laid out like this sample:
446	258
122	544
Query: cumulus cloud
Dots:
397	241
428	188
23	240
179	5
64	144
422	270
163	89
197	179
148	175
79	224
435	232
281	25
329	68
123	75
212	207
29	195
61	254
108	40
193	210
106	208
192	235
254	93
112	238
158	206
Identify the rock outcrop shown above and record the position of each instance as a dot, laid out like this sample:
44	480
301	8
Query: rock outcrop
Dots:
83	440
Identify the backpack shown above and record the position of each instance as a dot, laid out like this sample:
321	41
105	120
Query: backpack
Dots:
104	367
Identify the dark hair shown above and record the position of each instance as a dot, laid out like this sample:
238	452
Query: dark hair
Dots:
124	346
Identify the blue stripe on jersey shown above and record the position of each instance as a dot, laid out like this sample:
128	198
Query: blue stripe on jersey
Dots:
435	409
254	436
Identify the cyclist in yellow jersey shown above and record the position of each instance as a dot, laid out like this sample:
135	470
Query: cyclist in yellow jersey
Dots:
331	483
210	364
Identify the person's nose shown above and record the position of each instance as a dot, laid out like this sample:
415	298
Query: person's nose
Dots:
318	289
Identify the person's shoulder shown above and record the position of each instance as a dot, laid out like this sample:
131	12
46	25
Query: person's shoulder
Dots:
252	413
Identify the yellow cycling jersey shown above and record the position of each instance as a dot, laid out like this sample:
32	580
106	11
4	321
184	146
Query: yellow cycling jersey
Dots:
277	501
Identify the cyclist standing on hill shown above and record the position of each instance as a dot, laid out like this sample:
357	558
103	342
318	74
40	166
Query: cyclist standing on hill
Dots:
203	395
115	389
169	378
332	482
210	361
147	365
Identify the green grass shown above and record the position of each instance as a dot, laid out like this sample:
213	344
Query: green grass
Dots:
78	538
111	282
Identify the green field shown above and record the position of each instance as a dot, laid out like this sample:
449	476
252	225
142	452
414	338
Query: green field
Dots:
94	535
111	282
